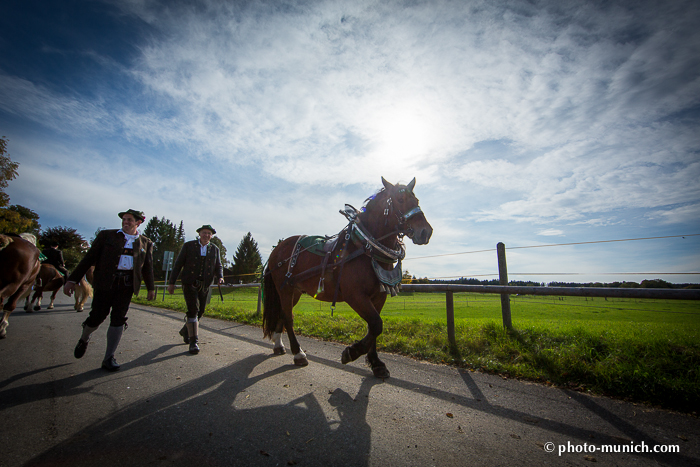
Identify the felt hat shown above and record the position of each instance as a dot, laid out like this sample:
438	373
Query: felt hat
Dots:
208	227
138	215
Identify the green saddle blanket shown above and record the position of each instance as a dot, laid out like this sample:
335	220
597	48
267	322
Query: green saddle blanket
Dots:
314	244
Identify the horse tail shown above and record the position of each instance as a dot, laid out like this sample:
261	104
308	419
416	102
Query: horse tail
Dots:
272	306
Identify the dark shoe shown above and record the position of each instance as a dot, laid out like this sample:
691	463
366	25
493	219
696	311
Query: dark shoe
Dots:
184	334
194	348
80	349
110	364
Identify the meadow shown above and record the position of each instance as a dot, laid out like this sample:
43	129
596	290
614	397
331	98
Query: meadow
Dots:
640	350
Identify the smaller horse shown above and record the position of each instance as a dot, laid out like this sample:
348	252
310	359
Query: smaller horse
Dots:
50	280
20	266
84	289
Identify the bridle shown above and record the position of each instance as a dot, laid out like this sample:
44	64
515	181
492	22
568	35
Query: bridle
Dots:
403	227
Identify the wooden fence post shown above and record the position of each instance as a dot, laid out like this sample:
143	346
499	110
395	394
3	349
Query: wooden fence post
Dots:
450	305
503	280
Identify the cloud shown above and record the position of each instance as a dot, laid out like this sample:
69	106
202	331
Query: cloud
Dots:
551	233
553	114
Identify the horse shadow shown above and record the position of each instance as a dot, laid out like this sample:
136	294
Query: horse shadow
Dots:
224	419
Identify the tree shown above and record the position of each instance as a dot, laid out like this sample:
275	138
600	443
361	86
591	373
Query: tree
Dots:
99	229
17	219
13	219
655	284
222	250
69	241
165	237
8	171
246	260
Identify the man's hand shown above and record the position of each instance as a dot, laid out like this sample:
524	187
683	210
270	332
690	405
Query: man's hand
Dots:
171	289
151	295
69	288
221	280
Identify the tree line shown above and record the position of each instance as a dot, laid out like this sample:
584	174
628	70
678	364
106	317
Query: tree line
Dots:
166	236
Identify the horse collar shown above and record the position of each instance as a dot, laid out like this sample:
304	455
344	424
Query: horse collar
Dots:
373	247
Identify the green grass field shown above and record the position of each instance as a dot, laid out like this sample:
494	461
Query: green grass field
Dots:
640	350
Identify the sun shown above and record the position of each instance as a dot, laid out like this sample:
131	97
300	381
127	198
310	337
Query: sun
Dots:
401	134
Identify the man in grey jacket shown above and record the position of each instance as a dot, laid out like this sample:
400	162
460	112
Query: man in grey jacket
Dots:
200	263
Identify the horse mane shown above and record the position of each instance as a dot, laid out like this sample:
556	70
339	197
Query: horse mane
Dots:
371	198
31	238
4	241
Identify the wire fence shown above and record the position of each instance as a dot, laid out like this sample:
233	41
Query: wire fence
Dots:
557	273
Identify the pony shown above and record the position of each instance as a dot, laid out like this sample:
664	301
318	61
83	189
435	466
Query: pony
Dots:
19	266
355	266
50	280
84	290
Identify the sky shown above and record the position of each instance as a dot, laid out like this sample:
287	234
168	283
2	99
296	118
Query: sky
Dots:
524	122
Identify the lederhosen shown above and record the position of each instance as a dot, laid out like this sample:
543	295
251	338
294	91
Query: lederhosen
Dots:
196	294
117	298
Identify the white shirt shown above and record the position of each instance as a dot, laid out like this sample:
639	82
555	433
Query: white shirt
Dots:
202	249
126	262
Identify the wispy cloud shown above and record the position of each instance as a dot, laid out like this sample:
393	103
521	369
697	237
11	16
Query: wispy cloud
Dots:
553	113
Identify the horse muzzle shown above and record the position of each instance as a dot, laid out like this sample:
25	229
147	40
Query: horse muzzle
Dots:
421	236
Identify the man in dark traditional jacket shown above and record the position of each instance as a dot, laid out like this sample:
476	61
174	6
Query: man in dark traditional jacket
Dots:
122	258
54	257
200	263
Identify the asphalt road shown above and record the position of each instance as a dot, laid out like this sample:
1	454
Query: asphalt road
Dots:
235	404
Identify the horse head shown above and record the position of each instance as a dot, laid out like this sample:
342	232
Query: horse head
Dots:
402	213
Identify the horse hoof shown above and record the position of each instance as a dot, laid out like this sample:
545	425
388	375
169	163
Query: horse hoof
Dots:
50	307
279	351
79	310
348	356
301	361
380	372
37	308
29	310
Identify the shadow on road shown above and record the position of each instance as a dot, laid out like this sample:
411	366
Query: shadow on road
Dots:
198	423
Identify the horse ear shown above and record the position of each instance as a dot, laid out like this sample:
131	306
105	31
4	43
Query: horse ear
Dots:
411	185
386	184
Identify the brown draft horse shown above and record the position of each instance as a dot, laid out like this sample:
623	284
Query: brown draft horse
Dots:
365	250
19	265
50	280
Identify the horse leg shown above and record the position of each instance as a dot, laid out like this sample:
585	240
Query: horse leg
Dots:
378	367
9	307
53	297
288	301
80	299
38	296
278	348
299	355
368	344
4	323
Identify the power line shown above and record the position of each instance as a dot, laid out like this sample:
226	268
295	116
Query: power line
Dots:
553	244
510	274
